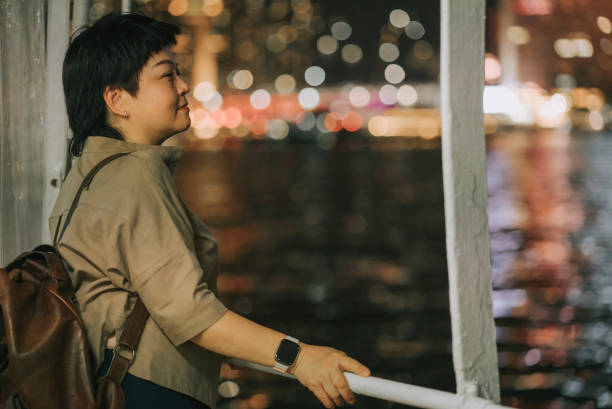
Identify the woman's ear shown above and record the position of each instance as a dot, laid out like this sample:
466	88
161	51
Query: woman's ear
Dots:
116	100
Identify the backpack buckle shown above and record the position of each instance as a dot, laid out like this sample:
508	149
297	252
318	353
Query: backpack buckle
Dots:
124	348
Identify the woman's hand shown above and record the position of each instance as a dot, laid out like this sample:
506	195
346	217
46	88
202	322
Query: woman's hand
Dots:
321	370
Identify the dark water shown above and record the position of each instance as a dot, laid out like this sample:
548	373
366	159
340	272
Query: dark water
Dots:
550	217
345	247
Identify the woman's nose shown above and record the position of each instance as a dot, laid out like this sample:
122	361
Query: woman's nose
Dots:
183	87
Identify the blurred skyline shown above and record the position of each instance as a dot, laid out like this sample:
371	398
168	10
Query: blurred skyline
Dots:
316	70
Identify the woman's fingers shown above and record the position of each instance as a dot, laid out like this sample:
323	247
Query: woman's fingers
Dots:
333	393
354	366
320	393
343	387
322	369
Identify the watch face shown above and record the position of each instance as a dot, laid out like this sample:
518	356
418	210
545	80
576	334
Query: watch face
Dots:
287	352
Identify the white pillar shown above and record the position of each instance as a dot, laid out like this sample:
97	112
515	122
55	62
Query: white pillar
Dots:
22	125
57	121
126	6
465	198
80	16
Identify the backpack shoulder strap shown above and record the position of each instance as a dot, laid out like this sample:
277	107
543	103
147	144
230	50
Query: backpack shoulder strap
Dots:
84	185
136	322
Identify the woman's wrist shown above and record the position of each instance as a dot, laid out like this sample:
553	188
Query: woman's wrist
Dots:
298	359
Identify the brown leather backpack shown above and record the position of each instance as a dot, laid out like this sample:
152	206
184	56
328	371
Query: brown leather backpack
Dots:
45	359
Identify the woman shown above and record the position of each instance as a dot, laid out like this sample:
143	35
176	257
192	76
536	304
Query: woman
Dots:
131	235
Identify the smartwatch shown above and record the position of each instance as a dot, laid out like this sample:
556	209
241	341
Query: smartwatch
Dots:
286	354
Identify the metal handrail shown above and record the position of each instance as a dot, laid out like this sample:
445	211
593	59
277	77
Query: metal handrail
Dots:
396	392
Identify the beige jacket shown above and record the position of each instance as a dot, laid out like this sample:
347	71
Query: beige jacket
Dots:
132	234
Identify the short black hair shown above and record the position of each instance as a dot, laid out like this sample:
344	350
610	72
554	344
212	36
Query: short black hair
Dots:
112	52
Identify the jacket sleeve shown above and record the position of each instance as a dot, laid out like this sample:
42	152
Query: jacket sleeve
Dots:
155	249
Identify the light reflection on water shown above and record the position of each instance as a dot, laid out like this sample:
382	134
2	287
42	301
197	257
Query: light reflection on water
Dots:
548	216
346	248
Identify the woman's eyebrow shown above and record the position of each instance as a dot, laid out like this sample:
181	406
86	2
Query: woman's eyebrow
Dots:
169	62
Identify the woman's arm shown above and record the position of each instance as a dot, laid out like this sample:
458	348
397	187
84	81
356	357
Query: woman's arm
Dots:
318	368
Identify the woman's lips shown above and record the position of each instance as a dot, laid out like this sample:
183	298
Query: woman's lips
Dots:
185	108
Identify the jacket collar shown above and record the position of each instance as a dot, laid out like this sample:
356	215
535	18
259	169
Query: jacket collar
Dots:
102	144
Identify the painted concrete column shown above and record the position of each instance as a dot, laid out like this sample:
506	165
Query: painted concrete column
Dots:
126	6
57	120
80	14
22	125
465	198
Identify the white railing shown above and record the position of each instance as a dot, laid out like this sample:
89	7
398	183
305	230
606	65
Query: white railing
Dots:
396	392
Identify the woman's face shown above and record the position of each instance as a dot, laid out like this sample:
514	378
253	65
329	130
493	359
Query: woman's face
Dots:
159	108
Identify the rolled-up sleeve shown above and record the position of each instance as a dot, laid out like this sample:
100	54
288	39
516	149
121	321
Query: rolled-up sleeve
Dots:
156	248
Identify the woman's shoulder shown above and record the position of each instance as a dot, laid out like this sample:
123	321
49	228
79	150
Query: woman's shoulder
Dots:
127	180
133	172
137	179
138	176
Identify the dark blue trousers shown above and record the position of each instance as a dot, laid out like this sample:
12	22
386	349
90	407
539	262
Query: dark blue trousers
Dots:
142	394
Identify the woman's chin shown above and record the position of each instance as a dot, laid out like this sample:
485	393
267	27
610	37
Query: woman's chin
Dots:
180	125
186	127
